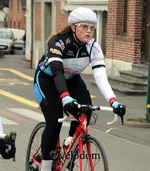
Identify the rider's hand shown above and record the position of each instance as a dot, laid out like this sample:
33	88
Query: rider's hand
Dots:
69	106
118	108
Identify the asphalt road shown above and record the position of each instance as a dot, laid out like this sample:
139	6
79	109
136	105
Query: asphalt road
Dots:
127	148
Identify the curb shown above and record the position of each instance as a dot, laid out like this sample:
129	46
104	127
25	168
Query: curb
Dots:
136	124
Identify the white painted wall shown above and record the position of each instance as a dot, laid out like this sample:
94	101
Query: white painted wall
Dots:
28	30
38	46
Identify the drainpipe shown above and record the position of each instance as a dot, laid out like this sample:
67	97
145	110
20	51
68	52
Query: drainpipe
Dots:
31	49
148	88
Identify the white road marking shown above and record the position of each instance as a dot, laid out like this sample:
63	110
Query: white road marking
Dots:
8	121
31	115
27	113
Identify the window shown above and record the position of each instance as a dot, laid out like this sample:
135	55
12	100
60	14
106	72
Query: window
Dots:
11	4
145	31
10	24
18	5
14	24
5	35
125	17
121	17
18	25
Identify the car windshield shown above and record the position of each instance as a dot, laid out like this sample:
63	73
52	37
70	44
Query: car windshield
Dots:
5	35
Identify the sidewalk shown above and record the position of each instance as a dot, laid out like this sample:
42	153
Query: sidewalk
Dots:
136	105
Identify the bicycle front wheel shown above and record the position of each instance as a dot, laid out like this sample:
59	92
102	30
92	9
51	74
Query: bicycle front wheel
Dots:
93	157
33	154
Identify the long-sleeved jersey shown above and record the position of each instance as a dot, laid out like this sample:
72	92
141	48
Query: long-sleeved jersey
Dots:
66	58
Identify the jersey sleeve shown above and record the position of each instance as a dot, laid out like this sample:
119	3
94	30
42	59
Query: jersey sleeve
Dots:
99	73
55	50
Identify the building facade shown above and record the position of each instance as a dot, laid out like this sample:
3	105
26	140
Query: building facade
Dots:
122	30
128	34
17	14
45	17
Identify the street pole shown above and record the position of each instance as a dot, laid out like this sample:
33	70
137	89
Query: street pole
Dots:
148	88
5	21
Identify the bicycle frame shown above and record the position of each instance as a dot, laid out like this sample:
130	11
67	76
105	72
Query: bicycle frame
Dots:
80	134
34	158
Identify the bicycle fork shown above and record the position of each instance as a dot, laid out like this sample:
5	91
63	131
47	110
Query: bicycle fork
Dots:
83	142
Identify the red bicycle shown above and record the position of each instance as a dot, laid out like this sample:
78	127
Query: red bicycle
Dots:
85	153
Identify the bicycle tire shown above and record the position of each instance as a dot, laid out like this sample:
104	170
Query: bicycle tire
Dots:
33	146
100	165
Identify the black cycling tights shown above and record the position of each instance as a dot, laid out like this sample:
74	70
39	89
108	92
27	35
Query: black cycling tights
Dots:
51	107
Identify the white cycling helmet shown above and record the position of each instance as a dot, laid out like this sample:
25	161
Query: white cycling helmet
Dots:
82	15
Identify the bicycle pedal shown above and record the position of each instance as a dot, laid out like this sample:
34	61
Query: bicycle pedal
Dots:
38	158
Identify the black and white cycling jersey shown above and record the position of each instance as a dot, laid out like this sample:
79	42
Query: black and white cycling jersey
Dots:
75	57
68	58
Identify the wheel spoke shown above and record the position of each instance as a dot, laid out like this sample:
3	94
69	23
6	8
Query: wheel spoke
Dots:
33	150
93	157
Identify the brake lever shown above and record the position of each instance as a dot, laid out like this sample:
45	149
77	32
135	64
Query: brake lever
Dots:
122	120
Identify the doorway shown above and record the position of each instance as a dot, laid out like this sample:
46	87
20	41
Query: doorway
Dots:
148	31
48	21
145	32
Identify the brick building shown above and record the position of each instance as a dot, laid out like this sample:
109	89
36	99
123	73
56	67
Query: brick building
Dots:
127	29
128	34
16	16
47	17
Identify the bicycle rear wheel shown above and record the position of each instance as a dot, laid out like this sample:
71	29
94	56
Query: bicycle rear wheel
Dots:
93	156
33	153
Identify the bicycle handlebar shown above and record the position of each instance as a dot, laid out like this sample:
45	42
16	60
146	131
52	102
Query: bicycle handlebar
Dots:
92	108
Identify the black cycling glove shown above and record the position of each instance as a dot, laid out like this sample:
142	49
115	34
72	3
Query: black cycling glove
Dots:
119	108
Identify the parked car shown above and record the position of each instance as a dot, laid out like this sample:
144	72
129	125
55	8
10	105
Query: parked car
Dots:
18	34
7	41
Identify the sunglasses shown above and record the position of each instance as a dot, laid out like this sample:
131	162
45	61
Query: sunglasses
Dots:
86	26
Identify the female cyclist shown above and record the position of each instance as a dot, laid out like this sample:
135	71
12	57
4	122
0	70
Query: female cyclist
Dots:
58	81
